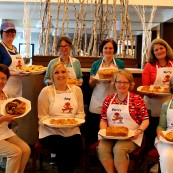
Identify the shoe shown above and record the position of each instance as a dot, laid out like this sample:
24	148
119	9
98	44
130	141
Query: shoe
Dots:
154	168
53	159
3	161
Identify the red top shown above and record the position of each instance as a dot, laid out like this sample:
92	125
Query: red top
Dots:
137	107
149	73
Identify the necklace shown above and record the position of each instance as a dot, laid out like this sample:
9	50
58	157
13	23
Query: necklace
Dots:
107	65
163	65
8	47
65	62
121	101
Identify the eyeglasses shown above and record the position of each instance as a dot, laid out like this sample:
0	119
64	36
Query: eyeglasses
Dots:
120	82
65	46
10	31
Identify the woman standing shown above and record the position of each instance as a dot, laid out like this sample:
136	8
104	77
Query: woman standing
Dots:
10	57
157	71
52	102
64	47
11	146
123	108
101	89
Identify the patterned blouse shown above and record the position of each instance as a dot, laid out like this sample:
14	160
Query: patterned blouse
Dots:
137	107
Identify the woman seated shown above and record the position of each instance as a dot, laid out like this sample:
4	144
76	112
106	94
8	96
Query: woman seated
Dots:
61	100
165	150
11	146
122	108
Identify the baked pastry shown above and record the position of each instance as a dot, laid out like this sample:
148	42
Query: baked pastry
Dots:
166	90
72	81
169	136
15	107
62	121
117	131
106	73
145	88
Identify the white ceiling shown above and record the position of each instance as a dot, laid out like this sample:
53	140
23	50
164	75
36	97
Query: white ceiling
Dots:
15	11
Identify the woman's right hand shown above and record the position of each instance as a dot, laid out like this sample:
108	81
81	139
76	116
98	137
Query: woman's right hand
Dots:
7	118
160	133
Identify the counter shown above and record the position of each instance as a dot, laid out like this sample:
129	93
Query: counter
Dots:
32	85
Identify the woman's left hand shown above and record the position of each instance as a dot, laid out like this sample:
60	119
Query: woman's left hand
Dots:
136	134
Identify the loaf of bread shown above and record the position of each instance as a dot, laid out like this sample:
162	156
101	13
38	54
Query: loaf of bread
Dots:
117	131
169	136
106	73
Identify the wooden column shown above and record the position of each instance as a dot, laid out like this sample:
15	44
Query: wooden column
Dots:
166	32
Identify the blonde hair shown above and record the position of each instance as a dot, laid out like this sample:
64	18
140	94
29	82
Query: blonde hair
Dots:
169	53
54	67
129	77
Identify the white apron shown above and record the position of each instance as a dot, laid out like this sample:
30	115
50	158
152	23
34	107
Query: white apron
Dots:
14	84
5	132
118	115
100	91
162	78
65	105
70	70
169	120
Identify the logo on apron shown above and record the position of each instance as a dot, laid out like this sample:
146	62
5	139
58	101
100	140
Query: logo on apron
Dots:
166	79
117	117
67	108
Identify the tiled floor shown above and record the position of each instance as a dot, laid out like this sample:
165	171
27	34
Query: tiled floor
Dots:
47	168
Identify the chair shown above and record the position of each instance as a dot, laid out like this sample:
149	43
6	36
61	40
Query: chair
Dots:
137	156
152	155
41	152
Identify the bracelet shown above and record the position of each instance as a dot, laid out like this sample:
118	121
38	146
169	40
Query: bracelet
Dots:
140	130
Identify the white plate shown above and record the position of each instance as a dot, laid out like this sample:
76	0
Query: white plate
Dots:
102	133
163	139
37	72
148	92
101	80
47	122
28	106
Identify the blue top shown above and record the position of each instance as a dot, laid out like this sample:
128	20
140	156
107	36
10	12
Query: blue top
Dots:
5	57
76	65
95	66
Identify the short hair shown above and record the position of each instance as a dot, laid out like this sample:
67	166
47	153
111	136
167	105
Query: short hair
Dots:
54	66
66	39
128	75
169	53
4	69
107	41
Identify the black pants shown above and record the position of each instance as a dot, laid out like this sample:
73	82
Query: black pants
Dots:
93	126
68	150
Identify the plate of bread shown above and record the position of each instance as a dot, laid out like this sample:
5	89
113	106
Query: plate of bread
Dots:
63	122
168	137
32	69
73	82
105	75
17	107
154	89
101	80
116	132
